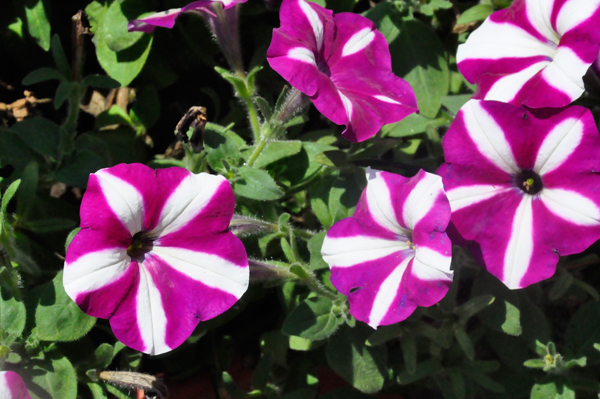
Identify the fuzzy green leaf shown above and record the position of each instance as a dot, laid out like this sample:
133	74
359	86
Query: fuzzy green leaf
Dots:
57	317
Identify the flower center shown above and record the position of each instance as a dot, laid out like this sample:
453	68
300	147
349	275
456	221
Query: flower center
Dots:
529	181
141	243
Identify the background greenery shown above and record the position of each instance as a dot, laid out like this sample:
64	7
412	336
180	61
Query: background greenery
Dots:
112	97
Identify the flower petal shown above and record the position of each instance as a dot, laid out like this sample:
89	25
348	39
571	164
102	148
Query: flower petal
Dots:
166	19
98	281
371	255
189	199
307	30
12	386
488	137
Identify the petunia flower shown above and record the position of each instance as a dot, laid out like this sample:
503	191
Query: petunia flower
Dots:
154	254
523	185
12	386
166	19
393	254
534	53
342	62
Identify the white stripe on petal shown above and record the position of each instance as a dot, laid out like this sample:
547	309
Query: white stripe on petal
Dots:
347	105
566	72
314	21
209	269
95	270
386	99
151	317
351	251
488	137
465	196
359	41
302	54
571	206
188	200
539	13
558	145
502	40
379	202
520	245
124	199
505	89
431	265
574	12
421	199
387	293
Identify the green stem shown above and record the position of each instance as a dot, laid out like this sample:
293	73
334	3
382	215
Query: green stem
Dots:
262	142
323	172
253	116
316	285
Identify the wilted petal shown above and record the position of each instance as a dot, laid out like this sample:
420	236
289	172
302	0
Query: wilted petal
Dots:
12	386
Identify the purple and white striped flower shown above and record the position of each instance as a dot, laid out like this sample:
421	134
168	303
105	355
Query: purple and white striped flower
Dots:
154	254
166	19
342	62
393	254
12	386
523	185
534	53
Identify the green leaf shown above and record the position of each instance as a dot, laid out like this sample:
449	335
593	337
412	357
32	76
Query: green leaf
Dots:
503	314
100	81
332	158
14	151
409	351
40	134
146	109
484	381
262	371
454	103
56	376
125	65
62	93
220	147
473	306
424	370
256	184
583	331
114	26
384	334
475	13
38	24
42	75
97	390
314	246
43	226
60	58
12	317
115	115
265	108
103	356
464	340
57	317
535	363
70	237
360	365
457	382
8	194
79	167
551	390
276	150
312	319
418	56
27	190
